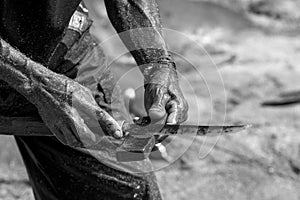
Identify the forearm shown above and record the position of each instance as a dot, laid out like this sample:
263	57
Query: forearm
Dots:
26	76
139	26
55	97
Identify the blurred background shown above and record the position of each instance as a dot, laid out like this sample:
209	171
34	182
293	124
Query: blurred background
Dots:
248	52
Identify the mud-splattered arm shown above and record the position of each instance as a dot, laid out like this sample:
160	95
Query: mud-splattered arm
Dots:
55	95
139	26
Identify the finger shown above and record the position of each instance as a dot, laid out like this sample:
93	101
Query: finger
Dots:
77	127
87	137
174	112
82	133
108	124
72	139
65	136
157	110
59	135
101	120
184	117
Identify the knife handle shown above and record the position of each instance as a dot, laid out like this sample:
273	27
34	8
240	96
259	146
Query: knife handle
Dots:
135	148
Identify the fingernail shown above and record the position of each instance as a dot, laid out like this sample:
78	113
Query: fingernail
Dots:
118	134
173	121
93	137
170	123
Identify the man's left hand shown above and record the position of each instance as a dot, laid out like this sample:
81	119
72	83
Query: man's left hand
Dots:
164	101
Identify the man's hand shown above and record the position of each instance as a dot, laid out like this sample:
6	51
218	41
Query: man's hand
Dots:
67	108
164	100
71	113
139	26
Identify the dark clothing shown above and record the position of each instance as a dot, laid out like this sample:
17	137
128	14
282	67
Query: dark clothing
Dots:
63	173
35	27
56	171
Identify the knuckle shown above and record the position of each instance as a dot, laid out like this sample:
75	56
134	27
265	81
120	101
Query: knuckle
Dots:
184	118
185	105
74	144
181	106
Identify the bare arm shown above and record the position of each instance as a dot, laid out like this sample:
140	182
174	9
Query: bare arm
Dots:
139	26
55	96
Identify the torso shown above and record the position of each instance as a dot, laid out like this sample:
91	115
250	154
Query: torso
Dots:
34	26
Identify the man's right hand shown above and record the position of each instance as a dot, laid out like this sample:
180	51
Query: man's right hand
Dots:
72	114
67	108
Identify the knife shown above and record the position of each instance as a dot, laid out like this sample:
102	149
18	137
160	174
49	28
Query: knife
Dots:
27	126
138	142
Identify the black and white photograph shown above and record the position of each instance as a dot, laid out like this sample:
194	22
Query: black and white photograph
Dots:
149	99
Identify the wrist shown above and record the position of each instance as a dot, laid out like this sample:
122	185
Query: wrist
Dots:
163	64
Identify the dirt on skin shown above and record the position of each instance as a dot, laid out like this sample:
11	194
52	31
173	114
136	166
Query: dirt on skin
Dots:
260	163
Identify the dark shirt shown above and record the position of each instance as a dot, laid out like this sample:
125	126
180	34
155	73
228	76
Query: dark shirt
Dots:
35	27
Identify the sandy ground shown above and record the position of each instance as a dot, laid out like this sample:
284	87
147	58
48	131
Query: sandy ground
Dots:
260	163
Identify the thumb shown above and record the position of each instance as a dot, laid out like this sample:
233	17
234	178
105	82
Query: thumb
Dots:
157	110
109	125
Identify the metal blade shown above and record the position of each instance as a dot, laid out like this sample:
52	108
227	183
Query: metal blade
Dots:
34	127
198	130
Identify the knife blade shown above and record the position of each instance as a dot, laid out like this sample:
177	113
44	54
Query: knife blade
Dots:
26	126
197	130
